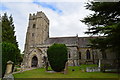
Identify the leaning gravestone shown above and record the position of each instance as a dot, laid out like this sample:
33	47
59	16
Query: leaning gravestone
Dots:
8	75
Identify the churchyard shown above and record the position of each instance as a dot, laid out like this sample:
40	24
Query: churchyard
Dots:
73	72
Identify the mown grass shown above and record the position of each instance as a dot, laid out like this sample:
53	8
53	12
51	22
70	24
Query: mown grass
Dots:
78	73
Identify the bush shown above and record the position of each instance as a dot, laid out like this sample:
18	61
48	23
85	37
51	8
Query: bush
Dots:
57	56
8	53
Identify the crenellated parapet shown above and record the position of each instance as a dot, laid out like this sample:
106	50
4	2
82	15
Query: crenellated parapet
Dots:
38	15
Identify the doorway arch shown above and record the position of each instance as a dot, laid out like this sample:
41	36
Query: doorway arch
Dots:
34	62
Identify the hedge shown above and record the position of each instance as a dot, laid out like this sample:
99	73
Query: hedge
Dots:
8	53
57	56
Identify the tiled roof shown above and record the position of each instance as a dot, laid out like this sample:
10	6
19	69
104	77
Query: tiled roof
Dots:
62	40
81	41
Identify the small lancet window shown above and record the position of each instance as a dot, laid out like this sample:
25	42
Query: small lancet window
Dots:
79	55
32	34
87	54
34	25
104	56
69	55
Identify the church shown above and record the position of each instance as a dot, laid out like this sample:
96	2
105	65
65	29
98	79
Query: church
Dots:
38	41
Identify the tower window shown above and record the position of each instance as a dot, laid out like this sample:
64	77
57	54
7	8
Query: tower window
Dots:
32	34
87	54
34	25
79	55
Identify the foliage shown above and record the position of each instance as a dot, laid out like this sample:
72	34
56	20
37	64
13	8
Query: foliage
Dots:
10	50
8	53
57	56
8	34
105	21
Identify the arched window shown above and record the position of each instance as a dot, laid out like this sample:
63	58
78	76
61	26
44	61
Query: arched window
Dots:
32	34
34	25
69	55
87	54
79	55
104	55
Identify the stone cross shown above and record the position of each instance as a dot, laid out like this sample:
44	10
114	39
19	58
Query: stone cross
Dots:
9	67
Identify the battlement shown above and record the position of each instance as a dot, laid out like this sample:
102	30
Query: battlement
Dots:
38	15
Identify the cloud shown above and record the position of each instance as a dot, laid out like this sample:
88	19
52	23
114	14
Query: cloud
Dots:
50	0
48	5
65	23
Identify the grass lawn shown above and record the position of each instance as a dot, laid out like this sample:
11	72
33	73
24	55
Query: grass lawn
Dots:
78	73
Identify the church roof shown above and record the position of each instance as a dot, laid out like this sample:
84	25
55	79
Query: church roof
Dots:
62	40
83	41
80	41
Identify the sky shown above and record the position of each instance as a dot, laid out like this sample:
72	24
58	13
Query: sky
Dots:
64	17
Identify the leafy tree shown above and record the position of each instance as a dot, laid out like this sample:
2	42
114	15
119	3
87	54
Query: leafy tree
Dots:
104	21
57	56
9	51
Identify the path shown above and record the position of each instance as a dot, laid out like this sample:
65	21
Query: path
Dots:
26	69
11	77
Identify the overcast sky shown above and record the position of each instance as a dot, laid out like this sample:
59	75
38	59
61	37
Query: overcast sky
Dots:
64	17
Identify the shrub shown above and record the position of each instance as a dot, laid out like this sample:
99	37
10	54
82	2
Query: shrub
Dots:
57	56
8	53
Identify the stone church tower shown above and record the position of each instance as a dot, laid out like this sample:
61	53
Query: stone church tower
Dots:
37	32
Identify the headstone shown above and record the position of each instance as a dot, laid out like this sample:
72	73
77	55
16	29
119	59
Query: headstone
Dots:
92	69
22	67
99	64
9	67
66	68
46	66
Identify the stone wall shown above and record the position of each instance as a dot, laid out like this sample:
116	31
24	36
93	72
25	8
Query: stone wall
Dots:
94	56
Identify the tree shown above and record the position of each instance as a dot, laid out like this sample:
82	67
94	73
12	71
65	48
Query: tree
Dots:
8	34
9	51
57	56
104	21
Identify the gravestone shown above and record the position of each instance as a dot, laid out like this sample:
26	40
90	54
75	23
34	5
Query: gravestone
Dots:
66	68
22	67
8	75
92	69
9	67
99	63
